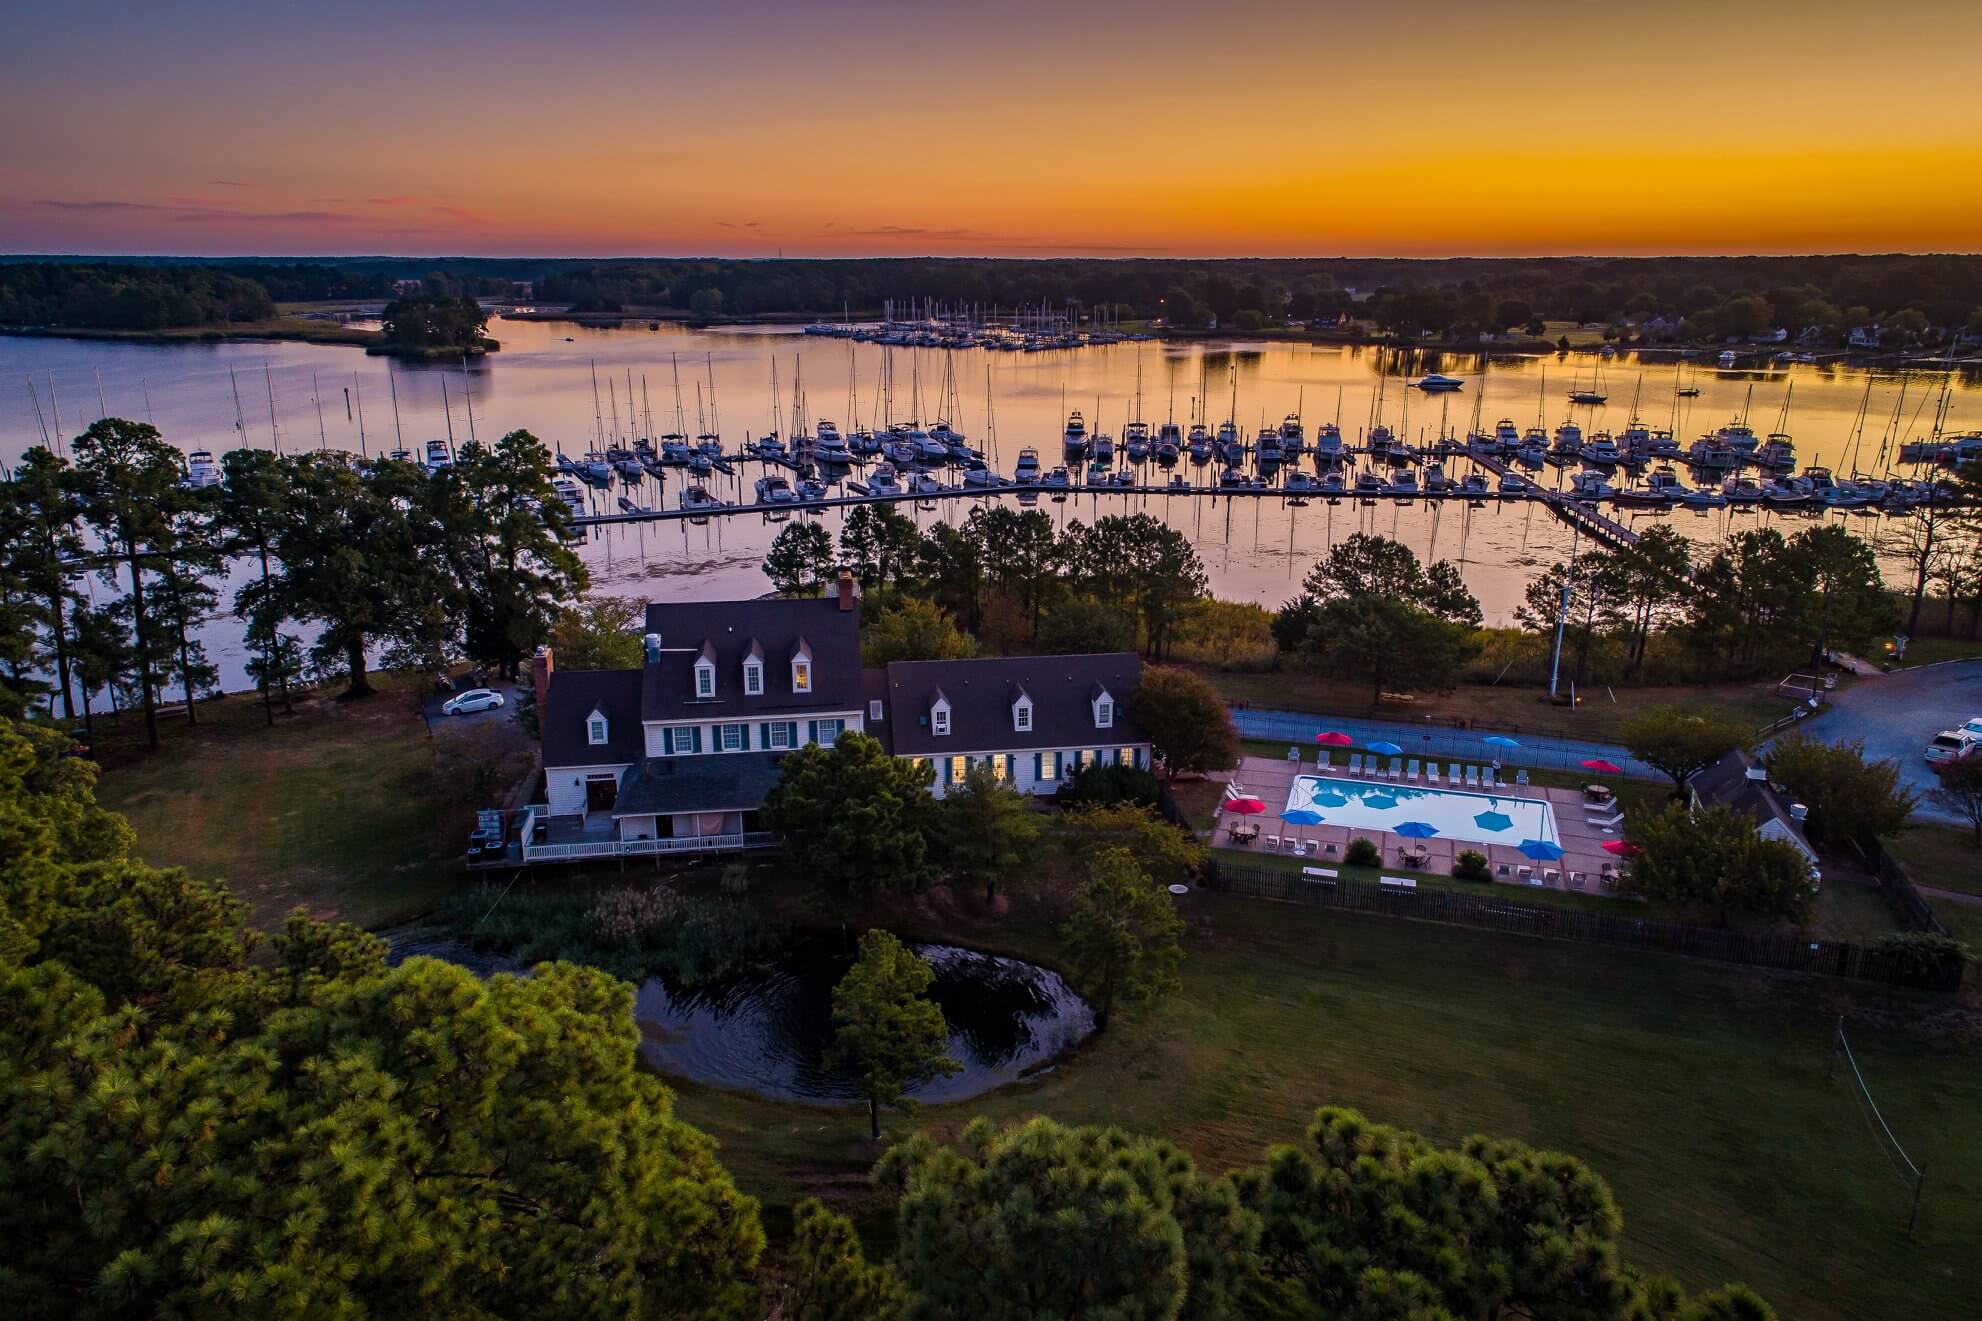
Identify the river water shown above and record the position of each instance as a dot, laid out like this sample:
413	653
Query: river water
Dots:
549	376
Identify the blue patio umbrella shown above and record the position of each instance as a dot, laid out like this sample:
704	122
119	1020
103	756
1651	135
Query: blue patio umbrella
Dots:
1386	749
1415	830
1301	816
1499	741
1493	821
1541	849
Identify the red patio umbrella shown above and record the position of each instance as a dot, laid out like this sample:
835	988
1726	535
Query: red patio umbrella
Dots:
1244	806
1623	848
1335	739
1603	767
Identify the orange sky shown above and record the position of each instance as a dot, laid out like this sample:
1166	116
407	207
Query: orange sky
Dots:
1022	128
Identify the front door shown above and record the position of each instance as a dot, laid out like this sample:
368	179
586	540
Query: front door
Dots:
601	792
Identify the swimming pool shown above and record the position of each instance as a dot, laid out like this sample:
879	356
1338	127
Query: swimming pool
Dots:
1476	818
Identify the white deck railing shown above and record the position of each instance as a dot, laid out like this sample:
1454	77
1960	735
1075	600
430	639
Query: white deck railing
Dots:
640	848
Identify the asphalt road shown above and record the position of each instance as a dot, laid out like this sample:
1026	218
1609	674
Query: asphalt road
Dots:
1897	713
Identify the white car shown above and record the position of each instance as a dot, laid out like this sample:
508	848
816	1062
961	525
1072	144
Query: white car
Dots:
1973	727
1949	745
475	699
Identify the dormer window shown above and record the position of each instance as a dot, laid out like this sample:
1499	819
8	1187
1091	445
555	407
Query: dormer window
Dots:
1022	716
801	676
705	679
753	678
1104	709
939	716
595	728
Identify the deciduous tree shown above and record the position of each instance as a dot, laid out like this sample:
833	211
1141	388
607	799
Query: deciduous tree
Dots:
1851	800
1167	854
1960	792
861	820
1186	721
1122	936
1681	742
598	633
1714	859
887	1032
912	629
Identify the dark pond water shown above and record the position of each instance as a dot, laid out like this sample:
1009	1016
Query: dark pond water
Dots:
763	1032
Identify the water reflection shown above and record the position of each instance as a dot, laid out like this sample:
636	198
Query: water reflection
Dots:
763	1032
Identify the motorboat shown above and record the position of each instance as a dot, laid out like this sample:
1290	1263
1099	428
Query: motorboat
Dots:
1666	482
982	479
1743	491
1711	455
1103	448
1506	434
439	457
570	492
1435	383
1327	442
1602	450
775	490
1057	481
1135	441
1514	486
1436	482
1404	482
1473	486
202	471
1786	493
1333	484
922	483
1293	437
1369	485
811	490
1169	443
1027	471
1703	499
1300	482
1777	452
1074	439
771	446
882	480
1178	482
1229	447
1727	359
1533	452
696	496
1590	486
830	447
1568	441
1266	447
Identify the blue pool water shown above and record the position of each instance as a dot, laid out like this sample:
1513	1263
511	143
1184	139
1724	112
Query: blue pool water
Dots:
1477	818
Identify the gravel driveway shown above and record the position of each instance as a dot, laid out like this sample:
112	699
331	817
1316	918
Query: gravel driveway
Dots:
1897	713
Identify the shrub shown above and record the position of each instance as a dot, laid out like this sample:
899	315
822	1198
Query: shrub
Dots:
1105	786
735	880
1471	865
1921	953
1363	853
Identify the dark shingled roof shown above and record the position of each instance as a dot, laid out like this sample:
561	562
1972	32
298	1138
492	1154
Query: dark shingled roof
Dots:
732	782
874	688
778	626
981	692
1726	784
569	704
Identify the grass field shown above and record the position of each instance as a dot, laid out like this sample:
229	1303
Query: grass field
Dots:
1699	1092
1598	718
1944	857
331	809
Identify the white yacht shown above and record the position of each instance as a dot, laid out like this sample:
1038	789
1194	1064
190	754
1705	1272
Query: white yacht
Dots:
201	471
1434	383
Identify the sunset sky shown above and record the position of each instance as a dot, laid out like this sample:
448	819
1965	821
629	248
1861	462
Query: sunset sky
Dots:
751	127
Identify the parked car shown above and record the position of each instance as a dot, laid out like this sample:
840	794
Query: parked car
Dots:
1949	745
1973	726
475	699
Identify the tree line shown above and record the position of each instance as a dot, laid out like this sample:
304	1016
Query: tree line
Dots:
376	557
196	1118
1121	582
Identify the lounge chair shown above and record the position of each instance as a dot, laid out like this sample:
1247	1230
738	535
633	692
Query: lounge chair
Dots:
1355	763
1551	876
1472	777
1396	771
1487	779
1606	822
1294	755
1521	777
1431	772
1578	880
1411	771
1525	875
1273	842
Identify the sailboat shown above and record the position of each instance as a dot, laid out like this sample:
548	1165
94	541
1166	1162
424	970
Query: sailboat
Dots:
1595	394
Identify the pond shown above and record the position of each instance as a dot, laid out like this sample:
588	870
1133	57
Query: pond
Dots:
764	1031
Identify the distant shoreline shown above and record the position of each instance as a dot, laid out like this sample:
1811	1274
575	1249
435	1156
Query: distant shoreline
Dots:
297	331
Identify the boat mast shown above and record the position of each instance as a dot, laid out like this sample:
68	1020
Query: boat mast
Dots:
398	435
359	393
598	418
240	420
448	413
715	416
323	441
468	398
268	379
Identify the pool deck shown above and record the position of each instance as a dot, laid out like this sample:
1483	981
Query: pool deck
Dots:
1581	866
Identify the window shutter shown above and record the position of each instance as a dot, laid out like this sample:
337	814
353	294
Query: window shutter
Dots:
811	731
695	744
1038	766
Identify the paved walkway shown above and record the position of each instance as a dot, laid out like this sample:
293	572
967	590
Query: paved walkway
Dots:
1952	896
1441	741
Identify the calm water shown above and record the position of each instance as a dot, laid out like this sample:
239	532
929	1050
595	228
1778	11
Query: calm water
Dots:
1256	550
763	1031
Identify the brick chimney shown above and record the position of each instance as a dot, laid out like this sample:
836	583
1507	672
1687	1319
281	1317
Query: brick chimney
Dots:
540	675
845	586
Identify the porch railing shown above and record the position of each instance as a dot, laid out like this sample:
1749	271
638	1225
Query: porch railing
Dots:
641	848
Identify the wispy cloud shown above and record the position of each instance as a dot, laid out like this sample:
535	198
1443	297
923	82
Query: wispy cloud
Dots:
225	183
57	204
740	224
398	199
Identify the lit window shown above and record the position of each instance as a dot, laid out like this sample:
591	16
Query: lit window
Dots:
939	720
595	730
777	735
1086	758
801	676
959	769
705	681
1001	766
753	680
1049	765
1022	717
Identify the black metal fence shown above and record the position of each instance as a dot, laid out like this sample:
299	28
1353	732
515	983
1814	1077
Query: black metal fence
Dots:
1763	949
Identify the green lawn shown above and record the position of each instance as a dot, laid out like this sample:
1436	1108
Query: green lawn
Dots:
332	809
1699	1091
1944	857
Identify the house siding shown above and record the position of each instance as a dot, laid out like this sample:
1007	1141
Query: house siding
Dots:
1028	769
805	725
564	786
